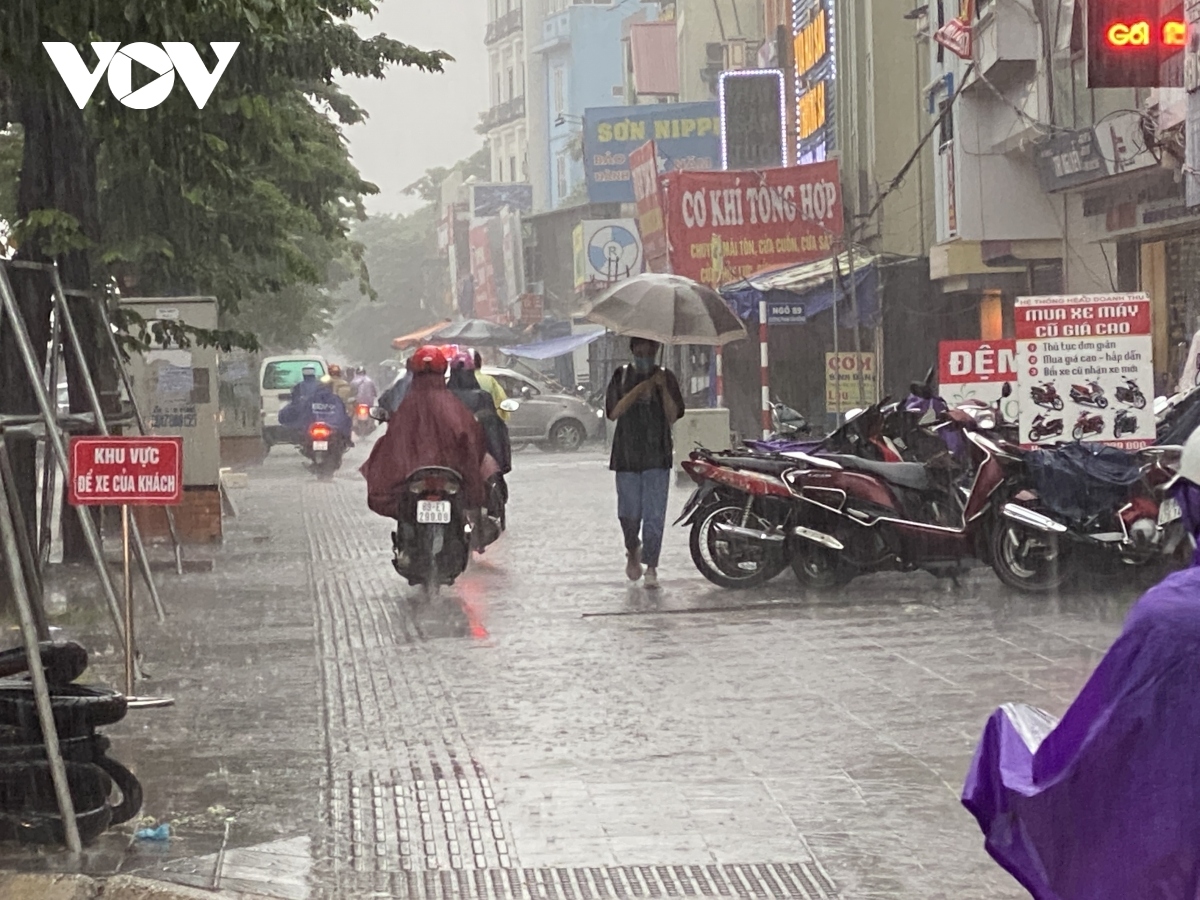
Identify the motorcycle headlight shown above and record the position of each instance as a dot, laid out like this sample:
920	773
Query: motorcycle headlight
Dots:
599	414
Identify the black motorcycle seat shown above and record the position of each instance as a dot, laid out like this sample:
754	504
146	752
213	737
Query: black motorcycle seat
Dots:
906	475
756	464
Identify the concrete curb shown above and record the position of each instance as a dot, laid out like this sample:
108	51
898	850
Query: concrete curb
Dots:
46	886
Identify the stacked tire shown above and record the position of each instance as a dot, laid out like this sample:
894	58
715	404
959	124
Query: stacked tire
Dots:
28	806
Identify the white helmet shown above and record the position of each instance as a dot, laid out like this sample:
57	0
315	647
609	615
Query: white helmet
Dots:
1189	462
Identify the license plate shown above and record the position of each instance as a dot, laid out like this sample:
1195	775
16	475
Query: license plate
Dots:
1169	511
320	445
433	512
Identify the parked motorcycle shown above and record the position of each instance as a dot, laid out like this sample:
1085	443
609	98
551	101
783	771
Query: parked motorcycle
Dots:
787	422
1046	395
1125	423
363	423
1130	393
1090	394
324	446
431	544
1043	428
1087	424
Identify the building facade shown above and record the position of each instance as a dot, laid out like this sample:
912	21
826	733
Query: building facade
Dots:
504	122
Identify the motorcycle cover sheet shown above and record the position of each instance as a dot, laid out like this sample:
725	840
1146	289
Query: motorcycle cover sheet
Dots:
1106	806
1082	480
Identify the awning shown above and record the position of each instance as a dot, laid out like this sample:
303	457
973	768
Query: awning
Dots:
655	53
559	346
796	294
415	337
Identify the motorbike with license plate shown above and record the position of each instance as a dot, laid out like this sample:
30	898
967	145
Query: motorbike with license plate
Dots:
432	542
364	424
324	446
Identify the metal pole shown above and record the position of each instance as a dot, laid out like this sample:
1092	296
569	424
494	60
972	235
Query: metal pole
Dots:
126	568
29	565
764	370
8	305
103	429
137	414
837	389
857	333
41	693
45	526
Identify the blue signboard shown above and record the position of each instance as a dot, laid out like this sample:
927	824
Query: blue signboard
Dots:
686	136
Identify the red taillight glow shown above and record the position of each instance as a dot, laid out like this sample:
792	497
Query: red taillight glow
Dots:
319	431
363	410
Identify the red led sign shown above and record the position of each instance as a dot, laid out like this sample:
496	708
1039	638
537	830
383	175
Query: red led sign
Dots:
1137	34
1135	43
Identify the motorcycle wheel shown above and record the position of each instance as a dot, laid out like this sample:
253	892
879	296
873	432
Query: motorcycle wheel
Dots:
1077	432
1057	404
1139	401
723	560
819	568
1027	560
1102	402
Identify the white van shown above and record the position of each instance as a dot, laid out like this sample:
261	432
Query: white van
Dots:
276	378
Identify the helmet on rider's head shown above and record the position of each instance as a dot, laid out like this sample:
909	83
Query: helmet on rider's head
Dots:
463	358
1189	462
427	360
335	370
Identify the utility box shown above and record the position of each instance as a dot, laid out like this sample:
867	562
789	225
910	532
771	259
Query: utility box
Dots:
240	418
177	391
707	428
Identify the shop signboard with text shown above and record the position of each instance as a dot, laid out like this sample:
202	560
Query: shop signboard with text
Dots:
643	166
977	371
1086	369
724	226
685	135
849	381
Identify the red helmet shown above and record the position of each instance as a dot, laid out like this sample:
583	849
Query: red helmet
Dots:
427	360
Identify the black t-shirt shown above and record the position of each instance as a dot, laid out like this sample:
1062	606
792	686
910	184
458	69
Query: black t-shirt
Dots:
643	437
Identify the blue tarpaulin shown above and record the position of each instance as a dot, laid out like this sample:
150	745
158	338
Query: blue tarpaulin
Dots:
559	346
796	294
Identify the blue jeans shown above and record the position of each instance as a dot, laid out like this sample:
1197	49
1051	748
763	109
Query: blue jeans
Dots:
642	506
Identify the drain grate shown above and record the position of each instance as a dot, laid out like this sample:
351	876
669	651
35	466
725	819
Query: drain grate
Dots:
765	881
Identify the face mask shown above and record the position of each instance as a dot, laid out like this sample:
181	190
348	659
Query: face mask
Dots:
643	363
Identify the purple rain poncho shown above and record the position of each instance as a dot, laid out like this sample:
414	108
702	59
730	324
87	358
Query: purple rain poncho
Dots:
1105	805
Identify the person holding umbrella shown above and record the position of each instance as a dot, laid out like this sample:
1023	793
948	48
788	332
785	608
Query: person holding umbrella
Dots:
645	401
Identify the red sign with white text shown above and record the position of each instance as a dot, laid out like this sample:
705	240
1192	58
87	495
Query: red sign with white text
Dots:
643	167
483	271
126	471
724	226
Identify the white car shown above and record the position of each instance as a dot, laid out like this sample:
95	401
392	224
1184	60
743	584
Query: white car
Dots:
276	377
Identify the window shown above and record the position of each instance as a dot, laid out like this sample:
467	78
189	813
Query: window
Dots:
512	83
946	130
560	91
496	95
561	166
512	168
286	374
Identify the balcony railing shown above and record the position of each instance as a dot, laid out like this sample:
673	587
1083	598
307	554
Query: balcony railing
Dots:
503	26
506	112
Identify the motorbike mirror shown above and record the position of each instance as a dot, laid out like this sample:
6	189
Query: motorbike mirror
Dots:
1006	391
853	414
379	414
510	405
929	376
928	419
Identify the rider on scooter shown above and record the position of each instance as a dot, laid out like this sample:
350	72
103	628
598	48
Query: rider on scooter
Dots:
1107	804
430	428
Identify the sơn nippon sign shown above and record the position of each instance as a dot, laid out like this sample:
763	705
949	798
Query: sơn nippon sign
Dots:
685	135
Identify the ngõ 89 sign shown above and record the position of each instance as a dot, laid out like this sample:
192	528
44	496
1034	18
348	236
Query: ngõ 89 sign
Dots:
1129	40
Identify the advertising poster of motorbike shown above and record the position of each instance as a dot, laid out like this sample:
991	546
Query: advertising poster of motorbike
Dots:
977	371
1085	369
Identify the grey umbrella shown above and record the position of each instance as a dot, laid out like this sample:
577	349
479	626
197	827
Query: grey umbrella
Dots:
670	309
476	332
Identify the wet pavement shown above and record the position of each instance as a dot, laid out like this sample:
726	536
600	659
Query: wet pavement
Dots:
545	730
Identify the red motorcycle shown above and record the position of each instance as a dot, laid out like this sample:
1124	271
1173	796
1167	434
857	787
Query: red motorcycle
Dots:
1090	394
1087	424
1046	395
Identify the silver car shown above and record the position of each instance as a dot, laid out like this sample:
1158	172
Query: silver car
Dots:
547	417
